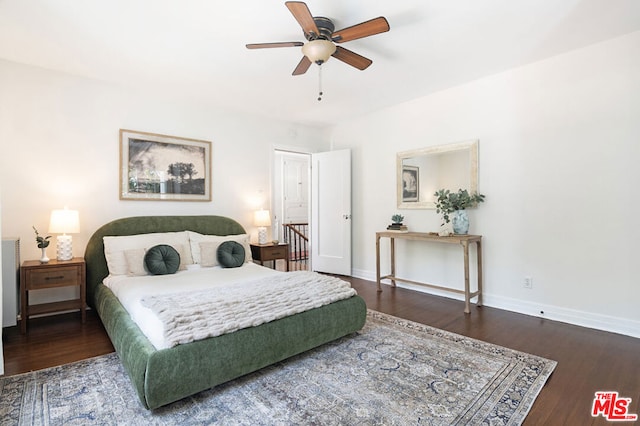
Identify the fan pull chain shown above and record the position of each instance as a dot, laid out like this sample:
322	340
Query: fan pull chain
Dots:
319	83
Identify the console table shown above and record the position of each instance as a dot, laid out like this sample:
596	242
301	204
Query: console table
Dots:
463	240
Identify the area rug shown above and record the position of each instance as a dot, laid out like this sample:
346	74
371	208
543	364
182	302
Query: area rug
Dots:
393	372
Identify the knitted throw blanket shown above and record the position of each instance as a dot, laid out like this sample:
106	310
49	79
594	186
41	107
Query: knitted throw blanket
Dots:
191	316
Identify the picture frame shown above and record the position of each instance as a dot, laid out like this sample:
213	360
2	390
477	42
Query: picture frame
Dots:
156	167
410	183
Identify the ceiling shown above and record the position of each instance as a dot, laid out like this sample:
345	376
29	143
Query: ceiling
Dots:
196	48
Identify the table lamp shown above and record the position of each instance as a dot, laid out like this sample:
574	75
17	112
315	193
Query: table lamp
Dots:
262	219
64	222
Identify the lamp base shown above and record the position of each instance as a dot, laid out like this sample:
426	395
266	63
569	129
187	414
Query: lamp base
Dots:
63	247
262	235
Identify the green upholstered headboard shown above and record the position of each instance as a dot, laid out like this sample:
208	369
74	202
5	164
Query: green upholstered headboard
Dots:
94	253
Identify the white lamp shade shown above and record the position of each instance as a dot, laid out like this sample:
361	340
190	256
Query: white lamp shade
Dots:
64	222
262	218
318	51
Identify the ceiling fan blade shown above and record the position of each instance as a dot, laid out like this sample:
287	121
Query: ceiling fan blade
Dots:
364	29
352	58
278	44
303	66
302	14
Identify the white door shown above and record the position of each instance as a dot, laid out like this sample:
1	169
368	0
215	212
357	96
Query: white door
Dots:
331	212
295	174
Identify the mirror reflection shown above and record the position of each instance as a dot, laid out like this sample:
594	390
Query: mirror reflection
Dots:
421	172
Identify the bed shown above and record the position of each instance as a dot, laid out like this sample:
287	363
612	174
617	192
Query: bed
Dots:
162	376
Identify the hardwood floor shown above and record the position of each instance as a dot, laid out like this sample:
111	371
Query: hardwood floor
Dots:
53	340
588	360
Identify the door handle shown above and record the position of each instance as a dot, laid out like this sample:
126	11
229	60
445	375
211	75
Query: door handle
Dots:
346	216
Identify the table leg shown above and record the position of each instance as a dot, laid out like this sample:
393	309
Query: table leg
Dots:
24	303
286	258
467	307
479	256
378	263
83	294
393	261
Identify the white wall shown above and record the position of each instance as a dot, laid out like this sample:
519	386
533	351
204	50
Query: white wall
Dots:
558	160
59	140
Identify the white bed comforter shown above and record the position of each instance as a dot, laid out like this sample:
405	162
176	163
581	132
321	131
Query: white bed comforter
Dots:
207	302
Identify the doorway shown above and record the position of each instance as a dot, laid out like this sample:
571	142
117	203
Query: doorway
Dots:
291	189
312	209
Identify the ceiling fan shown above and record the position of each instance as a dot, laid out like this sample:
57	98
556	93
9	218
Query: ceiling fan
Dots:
322	39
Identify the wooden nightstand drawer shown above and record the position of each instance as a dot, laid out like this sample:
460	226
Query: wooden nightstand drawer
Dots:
58	277
274	253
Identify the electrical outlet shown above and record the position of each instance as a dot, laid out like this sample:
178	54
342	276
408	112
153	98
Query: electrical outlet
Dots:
528	282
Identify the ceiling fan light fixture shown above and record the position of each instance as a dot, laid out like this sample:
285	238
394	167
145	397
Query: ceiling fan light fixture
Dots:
318	51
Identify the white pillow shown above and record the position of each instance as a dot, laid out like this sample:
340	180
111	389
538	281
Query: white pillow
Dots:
136	265
135	262
184	250
115	247
213	242
209	254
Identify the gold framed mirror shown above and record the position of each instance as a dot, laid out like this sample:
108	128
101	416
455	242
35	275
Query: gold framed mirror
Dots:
421	172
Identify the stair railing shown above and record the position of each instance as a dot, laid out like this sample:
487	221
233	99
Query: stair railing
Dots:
295	234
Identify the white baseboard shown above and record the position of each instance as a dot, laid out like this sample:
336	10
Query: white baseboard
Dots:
556	313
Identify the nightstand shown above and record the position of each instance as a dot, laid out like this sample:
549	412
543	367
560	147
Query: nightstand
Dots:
56	273
264	252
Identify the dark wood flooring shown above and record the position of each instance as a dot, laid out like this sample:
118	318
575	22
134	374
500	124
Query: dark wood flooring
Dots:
588	360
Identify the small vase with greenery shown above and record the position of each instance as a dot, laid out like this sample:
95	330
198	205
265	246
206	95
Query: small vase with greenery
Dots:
448	202
43	243
396	223
397	219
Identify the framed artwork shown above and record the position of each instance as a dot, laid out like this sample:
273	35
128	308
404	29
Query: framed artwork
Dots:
160	167
410	179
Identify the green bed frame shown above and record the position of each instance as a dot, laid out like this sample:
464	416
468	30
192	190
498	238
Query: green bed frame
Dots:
164	376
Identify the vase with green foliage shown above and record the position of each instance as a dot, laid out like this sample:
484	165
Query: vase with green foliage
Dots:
43	243
453	205
397	219
396	223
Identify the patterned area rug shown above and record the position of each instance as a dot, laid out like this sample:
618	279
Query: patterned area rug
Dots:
393	372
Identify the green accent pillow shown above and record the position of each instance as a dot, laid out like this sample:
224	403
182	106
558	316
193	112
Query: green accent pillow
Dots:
162	260
230	254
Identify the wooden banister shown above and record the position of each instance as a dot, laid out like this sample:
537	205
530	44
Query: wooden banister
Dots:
295	234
